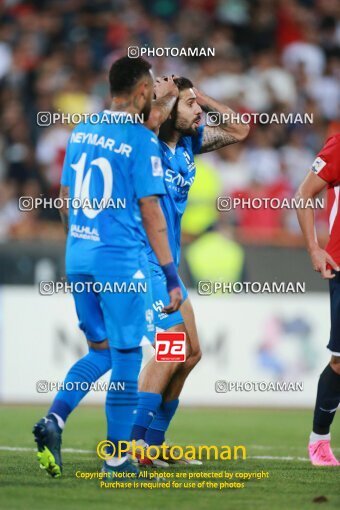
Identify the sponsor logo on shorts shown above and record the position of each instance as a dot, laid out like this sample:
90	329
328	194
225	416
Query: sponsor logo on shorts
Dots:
158	307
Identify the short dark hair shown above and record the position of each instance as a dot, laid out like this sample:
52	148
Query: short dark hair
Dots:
183	83
126	72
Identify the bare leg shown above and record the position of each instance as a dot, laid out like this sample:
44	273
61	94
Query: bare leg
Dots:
155	377
168	378
335	364
175	386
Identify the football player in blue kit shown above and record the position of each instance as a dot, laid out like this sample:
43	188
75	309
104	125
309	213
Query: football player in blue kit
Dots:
181	138
117	161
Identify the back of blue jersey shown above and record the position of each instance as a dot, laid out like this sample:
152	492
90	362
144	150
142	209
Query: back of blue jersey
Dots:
108	167
179	174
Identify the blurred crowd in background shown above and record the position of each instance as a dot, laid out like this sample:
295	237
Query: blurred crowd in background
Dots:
271	56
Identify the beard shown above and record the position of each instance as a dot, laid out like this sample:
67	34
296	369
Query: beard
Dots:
184	128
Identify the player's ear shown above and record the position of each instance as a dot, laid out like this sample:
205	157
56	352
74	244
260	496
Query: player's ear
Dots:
139	90
148	88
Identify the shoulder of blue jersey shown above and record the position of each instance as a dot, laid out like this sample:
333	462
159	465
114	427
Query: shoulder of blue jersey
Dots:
147	134
138	132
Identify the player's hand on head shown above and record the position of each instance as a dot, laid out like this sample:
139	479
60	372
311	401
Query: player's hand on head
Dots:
176	298
165	85
199	96
320	260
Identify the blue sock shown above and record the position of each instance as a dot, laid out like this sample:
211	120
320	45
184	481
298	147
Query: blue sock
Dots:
88	369
156	432
148	405
122	396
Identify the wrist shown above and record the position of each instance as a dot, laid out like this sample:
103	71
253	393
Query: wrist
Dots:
170	273
172	95
168	95
312	247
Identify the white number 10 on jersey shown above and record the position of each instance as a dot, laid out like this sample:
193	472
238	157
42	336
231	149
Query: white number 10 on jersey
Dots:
82	185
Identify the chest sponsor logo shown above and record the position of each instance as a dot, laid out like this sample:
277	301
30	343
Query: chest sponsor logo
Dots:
177	179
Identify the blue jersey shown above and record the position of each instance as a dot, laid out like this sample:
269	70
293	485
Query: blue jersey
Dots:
179	174
108	168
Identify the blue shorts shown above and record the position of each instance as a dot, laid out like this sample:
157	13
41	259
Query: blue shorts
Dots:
161	298
118	309
334	289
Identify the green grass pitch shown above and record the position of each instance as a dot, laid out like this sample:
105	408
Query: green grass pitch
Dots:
275	441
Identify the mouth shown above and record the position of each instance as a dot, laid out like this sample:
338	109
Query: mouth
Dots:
197	121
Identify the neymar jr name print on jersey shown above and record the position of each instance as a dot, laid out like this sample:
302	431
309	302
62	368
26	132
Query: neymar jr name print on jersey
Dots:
101	141
179	174
107	169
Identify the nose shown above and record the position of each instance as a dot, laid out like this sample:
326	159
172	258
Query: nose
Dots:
198	110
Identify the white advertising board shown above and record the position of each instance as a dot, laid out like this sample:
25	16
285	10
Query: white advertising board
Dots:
247	341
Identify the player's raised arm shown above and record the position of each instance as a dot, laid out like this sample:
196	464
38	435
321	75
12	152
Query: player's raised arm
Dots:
156	230
166	93
226	132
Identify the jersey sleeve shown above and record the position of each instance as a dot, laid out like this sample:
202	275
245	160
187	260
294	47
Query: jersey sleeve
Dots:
196	140
147	171
327	165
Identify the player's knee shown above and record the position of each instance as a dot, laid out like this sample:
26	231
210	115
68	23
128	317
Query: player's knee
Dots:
197	356
335	364
98	346
192	360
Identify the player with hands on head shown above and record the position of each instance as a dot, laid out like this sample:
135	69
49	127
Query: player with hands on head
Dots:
181	137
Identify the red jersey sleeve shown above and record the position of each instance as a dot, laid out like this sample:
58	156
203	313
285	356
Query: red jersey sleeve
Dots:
327	163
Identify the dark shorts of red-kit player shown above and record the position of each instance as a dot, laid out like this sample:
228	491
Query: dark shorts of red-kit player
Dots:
334	289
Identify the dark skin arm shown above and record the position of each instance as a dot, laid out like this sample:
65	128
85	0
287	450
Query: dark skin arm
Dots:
166	94
215	137
156	230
